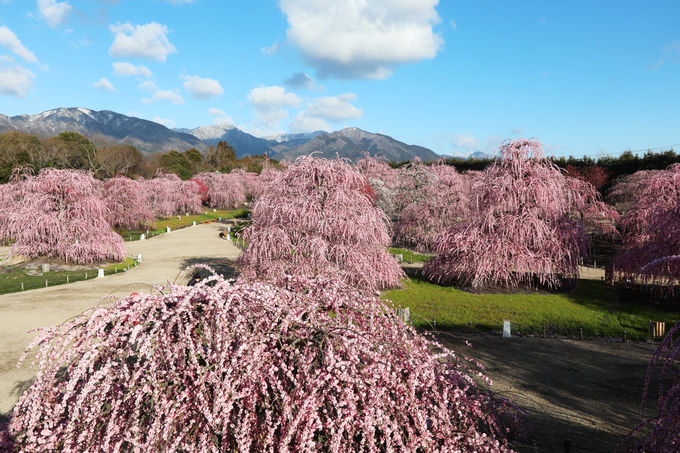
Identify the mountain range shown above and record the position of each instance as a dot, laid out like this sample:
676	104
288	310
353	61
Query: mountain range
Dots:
107	127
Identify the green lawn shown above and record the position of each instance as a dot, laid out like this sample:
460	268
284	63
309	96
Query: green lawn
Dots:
409	255
11	282
591	306
184	221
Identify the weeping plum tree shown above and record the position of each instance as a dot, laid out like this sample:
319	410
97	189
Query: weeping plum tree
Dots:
59	214
253	367
126	203
167	195
651	228
661	433
383	180
317	219
437	205
521	230
225	190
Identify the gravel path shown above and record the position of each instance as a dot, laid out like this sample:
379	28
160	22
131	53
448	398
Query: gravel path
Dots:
163	258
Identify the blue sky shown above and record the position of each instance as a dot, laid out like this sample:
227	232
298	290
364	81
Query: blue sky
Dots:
586	78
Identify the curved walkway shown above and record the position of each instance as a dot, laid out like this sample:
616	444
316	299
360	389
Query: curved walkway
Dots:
163	258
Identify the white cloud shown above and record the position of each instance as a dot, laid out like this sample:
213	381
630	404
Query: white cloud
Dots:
202	88
53	12
10	41
362	39
104	84
453	24
220	117
300	80
180	2
123	68
334	108
271	50
160	95
148	86
148	41
670	54
305	123
165	95
270	103
465	141
164	121
15	81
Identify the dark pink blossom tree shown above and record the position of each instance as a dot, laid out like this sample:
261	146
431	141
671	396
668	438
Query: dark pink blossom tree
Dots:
661	433
316	219
60	215
521	230
436	206
225	190
651	228
252	367
126	203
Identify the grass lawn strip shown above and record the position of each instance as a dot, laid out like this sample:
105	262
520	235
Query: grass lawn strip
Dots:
160	226
591	306
410	256
11	282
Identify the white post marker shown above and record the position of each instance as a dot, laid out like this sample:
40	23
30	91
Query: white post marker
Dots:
506	329
142	237
45	267
100	273
167	229
194	223
179	217
139	257
214	210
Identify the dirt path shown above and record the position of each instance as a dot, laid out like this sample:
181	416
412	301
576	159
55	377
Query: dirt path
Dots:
163	257
586	391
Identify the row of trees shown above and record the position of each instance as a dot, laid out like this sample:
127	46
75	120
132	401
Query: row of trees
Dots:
70	150
68	214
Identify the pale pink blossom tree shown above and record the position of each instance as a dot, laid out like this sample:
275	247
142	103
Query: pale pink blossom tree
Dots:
651	228
521	230
10	199
126	203
225	190
316	219
661	432
253	367
60	215
384	182
441	203
168	195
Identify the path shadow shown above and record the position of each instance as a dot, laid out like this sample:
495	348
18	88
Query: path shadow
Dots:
587	392
224	267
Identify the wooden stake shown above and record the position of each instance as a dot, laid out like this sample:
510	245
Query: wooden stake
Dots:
580	334
22	286
45	283
66	278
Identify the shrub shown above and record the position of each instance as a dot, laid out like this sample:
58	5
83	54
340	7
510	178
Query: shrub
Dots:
224	366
